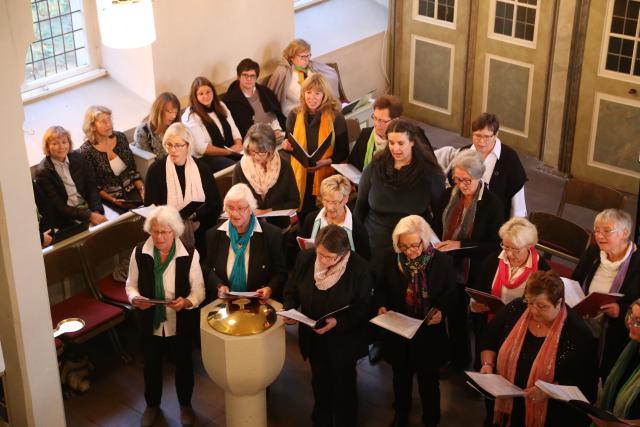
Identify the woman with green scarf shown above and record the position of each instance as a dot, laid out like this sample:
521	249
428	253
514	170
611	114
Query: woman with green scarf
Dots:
164	283
622	389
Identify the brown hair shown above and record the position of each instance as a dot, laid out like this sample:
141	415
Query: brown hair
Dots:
54	132
197	107
545	282
318	82
156	119
390	102
248	64
295	47
334	238
486	120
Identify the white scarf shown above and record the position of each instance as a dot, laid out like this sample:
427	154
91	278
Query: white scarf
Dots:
193	191
325	279
260	180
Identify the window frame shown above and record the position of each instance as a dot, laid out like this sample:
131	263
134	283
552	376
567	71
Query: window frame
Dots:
303	4
513	39
604	49
436	21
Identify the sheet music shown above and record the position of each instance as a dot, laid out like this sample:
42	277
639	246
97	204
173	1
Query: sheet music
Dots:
573	293
243	294
278	213
398	323
348	171
561	392
296	315
144	211
496	385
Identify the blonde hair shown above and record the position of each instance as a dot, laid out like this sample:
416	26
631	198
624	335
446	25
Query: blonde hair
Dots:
165	215
520	231
156	116
241	192
90	118
335	183
181	131
318	82
295	47
54	132
409	225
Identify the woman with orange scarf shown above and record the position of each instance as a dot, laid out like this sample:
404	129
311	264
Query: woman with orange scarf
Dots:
316	120
539	338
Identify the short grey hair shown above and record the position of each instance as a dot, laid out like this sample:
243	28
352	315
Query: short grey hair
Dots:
409	225
241	192
181	131
469	161
520	231
165	215
337	183
620	218
262	136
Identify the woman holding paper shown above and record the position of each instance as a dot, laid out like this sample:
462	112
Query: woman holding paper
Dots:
415	279
163	269
316	124
611	266
539	338
334	193
244	254
186	184
327	278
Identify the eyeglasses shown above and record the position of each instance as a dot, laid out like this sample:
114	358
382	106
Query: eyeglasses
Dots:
458	181
632	320
161	232
481	136
332	202
509	248
248	76
329	258
604	232
171	146
307	56
380	121
405	248
258	153
232	209
540	307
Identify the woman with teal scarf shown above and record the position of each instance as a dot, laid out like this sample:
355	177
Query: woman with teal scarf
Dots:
622	389
165	282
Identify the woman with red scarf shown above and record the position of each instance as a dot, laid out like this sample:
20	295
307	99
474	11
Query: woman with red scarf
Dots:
539	338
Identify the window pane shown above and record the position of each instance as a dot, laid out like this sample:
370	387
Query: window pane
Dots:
58	45
77	20
67	24
61	64
422	7
28	75
630	27
64	6
45	29
78	37
39	69
627	48
71	60
76	5
43	12
56	27
431	8
47	48
82	57
620	7
625	65
68	42
36	50
50	66
36	31
53	8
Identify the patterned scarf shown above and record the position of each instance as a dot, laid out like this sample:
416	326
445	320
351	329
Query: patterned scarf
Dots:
326	278
543	368
260	180
619	398
458	222
238	278
159	267
301	73
417	294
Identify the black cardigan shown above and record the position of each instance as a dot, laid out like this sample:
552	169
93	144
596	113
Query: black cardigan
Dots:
241	110
284	193
54	191
484	236
359	150
617	335
360	235
576	362
341	143
267	265
508	176
429	347
347	341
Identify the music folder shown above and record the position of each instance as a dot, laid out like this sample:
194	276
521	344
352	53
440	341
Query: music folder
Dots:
494	303
314	324
190	209
308	160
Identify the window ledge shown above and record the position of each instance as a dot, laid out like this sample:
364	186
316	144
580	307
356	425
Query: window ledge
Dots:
303	4
62	85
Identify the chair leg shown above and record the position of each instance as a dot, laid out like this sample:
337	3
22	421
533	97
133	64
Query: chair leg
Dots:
117	345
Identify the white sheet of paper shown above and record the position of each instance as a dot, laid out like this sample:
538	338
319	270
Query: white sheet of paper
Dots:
348	171
296	315
282	212
243	294
144	211
561	392
573	293
496	385
398	323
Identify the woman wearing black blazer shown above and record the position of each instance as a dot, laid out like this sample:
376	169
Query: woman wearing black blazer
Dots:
467	216
265	270
414	279
67	182
326	279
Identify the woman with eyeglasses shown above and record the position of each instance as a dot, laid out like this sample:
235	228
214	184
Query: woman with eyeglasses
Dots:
415	279
295	66
539	337
164	112
187	184
467	220
374	139
269	177
611	265
244	254
621	394
327	278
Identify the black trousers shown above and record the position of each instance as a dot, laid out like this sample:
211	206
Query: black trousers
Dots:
428	386
459	325
179	349
334	391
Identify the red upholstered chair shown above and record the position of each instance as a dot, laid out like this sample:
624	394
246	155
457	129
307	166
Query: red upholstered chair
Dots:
104	246
98	316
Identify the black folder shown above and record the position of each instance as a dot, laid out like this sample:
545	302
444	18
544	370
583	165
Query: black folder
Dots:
309	160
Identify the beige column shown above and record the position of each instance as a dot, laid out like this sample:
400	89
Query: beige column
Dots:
31	380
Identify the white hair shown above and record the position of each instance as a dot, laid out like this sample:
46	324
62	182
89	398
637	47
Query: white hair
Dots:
469	161
520	231
165	215
620	218
241	192
409	225
181	131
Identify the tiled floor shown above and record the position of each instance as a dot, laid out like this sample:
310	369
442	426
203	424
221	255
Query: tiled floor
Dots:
115	398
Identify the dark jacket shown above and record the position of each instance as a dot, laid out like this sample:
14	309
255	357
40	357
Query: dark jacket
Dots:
575	361
484	236
429	347
53	190
241	110
347	341
359	150
267	265
360	235
617	335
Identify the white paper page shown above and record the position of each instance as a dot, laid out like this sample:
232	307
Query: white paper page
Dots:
305	243
243	294
283	212
561	392
296	315
397	323
573	293
496	385
144	211
348	171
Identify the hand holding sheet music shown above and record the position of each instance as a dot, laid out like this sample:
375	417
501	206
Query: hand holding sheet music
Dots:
495	385
314	324
589	305
301	155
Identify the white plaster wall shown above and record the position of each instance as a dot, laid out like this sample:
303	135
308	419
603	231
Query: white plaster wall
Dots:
133	69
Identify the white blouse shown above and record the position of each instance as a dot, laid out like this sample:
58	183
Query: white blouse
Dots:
201	138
